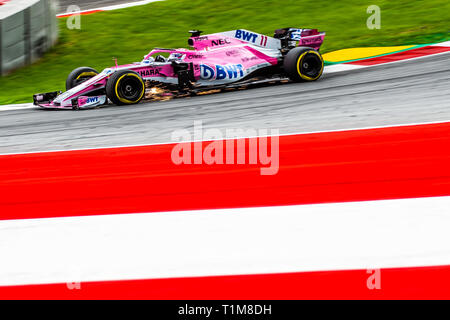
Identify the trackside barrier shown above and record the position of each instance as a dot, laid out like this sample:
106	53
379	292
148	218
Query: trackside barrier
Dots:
28	28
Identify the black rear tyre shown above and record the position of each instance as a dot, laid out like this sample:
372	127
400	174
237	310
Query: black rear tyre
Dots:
125	87
78	76
303	64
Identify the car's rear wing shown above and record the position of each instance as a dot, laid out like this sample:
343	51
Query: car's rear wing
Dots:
292	37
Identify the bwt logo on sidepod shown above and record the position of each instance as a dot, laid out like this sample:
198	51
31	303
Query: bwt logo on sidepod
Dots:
229	71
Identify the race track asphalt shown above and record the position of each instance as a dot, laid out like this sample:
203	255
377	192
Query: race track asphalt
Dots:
416	91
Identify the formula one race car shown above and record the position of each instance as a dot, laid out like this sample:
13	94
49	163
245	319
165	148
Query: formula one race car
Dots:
219	60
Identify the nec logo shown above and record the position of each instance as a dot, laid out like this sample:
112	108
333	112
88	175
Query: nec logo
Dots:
220	42
246	36
230	71
92	99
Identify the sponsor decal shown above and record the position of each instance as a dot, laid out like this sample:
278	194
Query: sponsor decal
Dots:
84	101
251	37
149	72
232	53
246	36
245	59
220	42
202	38
311	40
263	41
229	71
195	56
91	100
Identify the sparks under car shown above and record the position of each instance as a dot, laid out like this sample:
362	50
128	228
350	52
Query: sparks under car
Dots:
216	61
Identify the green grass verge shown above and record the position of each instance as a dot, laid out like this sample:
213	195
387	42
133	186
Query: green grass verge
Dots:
129	34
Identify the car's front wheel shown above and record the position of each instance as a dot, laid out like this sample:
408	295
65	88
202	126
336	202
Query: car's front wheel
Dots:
303	64
125	87
78	76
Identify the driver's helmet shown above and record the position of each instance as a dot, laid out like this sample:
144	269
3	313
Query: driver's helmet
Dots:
175	56
148	60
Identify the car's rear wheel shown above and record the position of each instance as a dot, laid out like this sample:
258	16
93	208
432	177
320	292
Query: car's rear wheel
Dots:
125	87
303	64
78	76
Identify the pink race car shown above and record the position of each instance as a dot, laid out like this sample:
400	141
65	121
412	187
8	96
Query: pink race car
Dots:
219	60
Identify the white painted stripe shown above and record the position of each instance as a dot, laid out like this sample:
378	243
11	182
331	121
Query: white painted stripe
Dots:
442	44
20	106
128	5
113	7
341	67
76	12
371	234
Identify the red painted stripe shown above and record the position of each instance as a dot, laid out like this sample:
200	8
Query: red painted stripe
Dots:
408	54
80	13
386	163
399	283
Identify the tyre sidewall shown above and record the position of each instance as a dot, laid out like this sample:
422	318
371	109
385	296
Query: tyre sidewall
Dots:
293	60
78	72
113	83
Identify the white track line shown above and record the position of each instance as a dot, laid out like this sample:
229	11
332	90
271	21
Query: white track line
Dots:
341	67
109	8
354	235
442	44
22	106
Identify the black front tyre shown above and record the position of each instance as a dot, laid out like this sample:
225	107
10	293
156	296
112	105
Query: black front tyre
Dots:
125	87
79	75
303	64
